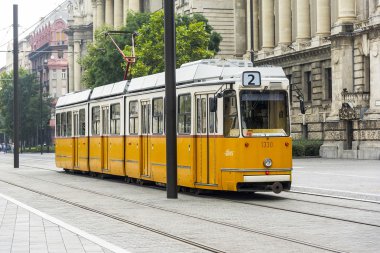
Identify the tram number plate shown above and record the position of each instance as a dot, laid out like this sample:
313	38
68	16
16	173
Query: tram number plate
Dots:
267	144
251	78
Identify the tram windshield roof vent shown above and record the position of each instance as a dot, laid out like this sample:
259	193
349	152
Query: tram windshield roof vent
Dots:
112	89
73	98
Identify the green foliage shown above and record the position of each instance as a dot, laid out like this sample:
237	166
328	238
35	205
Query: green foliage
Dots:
306	147
103	63
193	36
30	105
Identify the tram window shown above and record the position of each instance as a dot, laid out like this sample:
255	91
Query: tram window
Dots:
230	121
213	126
158	112
105	120
69	124
58	124
96	120
115	119
184	114
201	115
82	122
264	113
133	117
64	123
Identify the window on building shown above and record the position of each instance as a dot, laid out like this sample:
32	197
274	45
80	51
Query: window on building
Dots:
158	116
290	88
54	74
95	120
328	83
60	54
115	119
184	114
308	86
64	74
133	117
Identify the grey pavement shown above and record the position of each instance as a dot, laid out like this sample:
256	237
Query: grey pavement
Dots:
23	231
359	179
30	229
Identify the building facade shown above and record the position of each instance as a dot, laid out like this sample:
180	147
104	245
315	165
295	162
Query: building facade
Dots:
330	53
48	54
23	56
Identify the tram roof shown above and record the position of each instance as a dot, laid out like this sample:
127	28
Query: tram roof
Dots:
204	70
73	98
108	90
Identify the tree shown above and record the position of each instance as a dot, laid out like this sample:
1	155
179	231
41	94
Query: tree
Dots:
29	106
103	64
193	39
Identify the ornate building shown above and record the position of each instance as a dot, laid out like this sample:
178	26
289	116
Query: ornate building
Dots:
48	53
330	52
226	17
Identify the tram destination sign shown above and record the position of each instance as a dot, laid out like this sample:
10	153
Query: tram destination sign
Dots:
251	78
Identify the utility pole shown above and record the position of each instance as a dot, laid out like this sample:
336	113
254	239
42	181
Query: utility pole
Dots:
15	89
170	101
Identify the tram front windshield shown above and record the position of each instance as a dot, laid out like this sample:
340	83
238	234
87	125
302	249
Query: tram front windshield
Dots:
264	113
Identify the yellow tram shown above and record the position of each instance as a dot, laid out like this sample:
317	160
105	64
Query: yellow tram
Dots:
233	128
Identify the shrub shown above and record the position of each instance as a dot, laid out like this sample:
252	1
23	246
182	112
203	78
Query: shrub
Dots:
306	147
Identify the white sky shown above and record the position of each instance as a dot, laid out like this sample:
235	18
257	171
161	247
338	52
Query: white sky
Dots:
29	12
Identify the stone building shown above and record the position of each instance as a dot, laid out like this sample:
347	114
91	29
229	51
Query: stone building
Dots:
226	17
48	55
23	55
330	53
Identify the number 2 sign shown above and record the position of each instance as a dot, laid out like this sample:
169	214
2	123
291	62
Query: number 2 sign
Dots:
251	78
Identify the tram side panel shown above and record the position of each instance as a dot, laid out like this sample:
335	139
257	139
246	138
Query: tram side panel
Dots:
95	140
114	140
65	141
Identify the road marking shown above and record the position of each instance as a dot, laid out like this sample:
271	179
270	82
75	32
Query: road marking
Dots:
334	190
74	230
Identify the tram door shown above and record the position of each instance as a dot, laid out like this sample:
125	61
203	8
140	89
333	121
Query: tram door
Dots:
76	140
205	141
145	141
105	135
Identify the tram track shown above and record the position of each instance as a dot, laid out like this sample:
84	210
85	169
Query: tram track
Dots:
219	222
163	233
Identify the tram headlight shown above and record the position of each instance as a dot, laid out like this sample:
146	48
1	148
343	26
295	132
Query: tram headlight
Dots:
267	162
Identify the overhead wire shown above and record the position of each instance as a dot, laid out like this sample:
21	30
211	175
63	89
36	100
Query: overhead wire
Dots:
35	24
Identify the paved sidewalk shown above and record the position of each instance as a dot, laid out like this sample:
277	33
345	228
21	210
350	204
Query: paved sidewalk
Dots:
24	231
